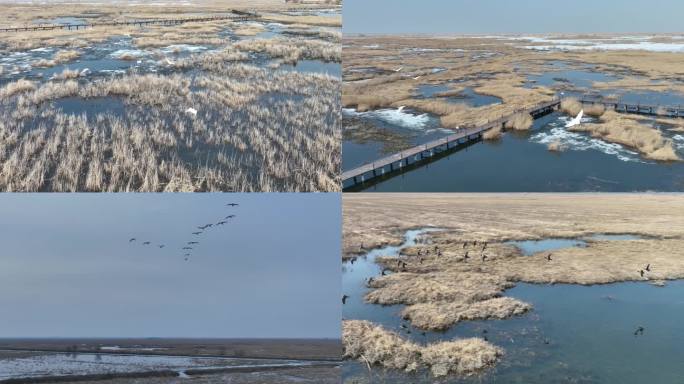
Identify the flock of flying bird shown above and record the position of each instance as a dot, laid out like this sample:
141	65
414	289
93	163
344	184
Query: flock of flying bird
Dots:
188	247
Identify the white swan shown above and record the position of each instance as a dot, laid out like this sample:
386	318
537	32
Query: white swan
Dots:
576	121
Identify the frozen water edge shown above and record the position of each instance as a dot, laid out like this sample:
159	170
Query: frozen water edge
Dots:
581	142
64	364
394	116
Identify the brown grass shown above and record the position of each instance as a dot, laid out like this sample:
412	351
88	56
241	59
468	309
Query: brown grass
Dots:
520	121
372	344
16	87
571	106
596	110
556	146
279	149
493	134
627	130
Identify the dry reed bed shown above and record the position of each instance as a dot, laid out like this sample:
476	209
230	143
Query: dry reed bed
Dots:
293	50
389	87
376	346
254	130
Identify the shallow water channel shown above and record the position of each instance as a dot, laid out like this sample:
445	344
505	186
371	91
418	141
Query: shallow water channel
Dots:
574	334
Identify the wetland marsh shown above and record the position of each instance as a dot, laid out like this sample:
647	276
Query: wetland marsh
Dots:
221	105
400	91
424	305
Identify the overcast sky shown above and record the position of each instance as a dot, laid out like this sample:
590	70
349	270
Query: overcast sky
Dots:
512	16
67	268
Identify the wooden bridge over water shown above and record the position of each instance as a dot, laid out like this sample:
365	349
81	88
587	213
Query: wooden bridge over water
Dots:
235	16
642	109
422	153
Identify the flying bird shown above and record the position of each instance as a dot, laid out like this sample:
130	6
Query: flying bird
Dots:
146	243
131	240
344	299
186	248
232	204
197	233
648	267
576	121
639	331
193	242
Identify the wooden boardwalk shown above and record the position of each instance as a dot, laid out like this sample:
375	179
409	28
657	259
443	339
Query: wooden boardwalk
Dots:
404	158
236	16
643	109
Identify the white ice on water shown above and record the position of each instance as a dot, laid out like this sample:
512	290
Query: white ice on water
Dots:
394	116
581	142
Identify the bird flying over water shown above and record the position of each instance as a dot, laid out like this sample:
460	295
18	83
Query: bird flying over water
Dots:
344	299
576	121
232	204
146	243
639	331
131	240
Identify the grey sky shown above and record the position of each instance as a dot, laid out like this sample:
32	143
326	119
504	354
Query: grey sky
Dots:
67	268
511	16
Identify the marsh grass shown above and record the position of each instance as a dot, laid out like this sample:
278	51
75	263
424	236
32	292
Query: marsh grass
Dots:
627	130
493	134
293	50
440	290
238	141
375	345
555	146
521	121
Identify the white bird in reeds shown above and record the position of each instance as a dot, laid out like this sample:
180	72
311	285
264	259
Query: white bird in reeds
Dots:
401	108
169	62
417	77
398	69
576	121
85	72
191	111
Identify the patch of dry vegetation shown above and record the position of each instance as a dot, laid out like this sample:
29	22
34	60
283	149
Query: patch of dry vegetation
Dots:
493	134
293	50
249	133
376	346
303	19
556	146
521	121
571	106
628	131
